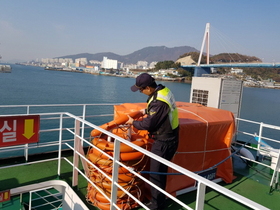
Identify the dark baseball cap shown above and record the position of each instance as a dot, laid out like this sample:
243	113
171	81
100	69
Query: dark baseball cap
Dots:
142	81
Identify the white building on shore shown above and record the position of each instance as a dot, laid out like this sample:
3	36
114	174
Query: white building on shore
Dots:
109	63
236	71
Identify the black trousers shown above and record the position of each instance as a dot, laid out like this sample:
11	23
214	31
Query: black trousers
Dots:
166	150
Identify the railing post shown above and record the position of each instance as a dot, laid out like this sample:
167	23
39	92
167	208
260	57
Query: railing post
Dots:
77	146
83	124
26	145
60	144
200	196
275	177
30	200
259	141
115	175
27	109
26	152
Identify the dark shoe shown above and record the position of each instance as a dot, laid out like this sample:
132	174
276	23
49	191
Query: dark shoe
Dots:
150	206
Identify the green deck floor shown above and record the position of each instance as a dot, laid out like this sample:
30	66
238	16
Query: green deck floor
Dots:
253	184
36	173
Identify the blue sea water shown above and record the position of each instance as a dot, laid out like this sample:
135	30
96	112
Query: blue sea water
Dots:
260	104
34	85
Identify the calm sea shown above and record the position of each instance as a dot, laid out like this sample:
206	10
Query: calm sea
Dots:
34	85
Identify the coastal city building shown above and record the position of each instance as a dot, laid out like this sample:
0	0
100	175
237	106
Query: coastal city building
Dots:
130	66
106	63
81	61
113	67
109	63
95	62
152	65
236	71
165	72
142	64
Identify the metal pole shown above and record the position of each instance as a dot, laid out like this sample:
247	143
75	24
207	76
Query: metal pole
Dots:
60	144
259	141
115	175
77	145
200	196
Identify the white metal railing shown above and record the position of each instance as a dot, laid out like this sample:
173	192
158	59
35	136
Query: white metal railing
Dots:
44	197
259	133
263	146
77	131
202	183
47	114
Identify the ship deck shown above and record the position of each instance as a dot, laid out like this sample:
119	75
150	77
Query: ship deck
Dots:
251	182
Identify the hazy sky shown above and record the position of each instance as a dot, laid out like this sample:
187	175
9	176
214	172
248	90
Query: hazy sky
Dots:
31	29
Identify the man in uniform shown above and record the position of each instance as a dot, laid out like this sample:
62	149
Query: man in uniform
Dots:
163	126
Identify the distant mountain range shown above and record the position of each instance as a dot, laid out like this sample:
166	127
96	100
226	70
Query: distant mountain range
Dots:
149	54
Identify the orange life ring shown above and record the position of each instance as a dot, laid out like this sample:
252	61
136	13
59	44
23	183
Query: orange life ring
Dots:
108	185
126	156
94	195
97	198
134	190
109	169
106	145
116	122
100	161
95	159
127	177
123	206
129	156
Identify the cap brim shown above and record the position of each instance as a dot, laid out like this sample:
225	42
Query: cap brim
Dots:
134	88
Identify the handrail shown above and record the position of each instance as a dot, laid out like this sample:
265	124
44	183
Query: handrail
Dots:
43	197
81	109
202	182
63	116
264	148
258	136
